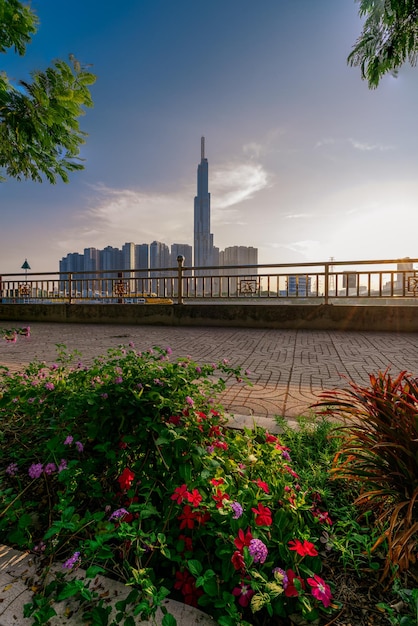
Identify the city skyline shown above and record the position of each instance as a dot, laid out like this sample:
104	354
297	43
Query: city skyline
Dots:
306	162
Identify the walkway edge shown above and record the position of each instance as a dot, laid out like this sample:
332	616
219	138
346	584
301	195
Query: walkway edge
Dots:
18	577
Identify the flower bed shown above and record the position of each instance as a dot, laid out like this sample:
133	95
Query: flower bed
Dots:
127	468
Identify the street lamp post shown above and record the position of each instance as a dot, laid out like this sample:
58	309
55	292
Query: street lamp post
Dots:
25	289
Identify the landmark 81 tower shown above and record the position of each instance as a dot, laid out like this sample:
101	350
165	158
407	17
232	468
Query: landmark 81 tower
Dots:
203	239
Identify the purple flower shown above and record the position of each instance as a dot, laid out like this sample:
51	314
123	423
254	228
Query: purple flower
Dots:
54	366
68	440
12	469
157	381
104	396
69	563
198	370
118	514
31	400
169	350
237	509
49	386
286	455
281	575
258	550
210	449
118	380
35	470
189	401
50	468
79	446
62	466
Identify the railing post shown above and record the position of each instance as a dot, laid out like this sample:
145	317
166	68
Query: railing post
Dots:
70	287
180	263
326	294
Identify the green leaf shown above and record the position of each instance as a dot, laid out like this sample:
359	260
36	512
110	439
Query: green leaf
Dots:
169	620
93	570
194	567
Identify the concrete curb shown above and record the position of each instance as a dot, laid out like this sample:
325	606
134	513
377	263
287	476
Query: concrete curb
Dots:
18	578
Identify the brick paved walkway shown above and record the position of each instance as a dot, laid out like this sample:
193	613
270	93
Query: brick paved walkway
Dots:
289	368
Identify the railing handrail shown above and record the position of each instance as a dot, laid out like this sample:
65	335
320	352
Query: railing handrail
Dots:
312	264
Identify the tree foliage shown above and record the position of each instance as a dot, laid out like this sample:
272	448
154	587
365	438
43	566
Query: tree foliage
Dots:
40	135
388	40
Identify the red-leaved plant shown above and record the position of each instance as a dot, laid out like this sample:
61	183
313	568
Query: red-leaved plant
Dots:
380	451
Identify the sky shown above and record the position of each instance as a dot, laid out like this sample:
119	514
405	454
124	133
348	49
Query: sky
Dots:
306	163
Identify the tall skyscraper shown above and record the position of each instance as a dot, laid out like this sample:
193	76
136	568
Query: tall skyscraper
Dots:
203	239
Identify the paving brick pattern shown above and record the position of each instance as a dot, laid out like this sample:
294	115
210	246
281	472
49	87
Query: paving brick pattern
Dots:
289	368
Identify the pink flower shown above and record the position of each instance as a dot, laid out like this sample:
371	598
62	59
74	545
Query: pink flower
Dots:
49	386
50	468
320	590
189	401
35	470
244	593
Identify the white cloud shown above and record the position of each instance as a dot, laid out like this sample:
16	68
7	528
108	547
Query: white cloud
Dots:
116	216
367	147
236	183
326	141
294	216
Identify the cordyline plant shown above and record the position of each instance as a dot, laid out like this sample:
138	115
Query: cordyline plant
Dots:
380	451
126	467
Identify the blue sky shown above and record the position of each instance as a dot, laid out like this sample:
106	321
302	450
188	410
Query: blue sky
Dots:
305	162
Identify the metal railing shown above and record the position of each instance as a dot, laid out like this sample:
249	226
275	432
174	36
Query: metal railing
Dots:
329	282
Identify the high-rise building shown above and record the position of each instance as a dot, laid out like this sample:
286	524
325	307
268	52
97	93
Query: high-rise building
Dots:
203	239
142	263
184	250
159	257
239	255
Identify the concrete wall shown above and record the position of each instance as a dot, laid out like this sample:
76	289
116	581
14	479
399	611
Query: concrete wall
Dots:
310	317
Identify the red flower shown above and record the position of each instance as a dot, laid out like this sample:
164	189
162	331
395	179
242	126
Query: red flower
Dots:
243	539
237	560
290	590
180	494
194	497
125	479
174	419
187	518
303	549
214	431
320	590
219	497
262	515
216	481
264	486
188	545
202	518
186	584
271	438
